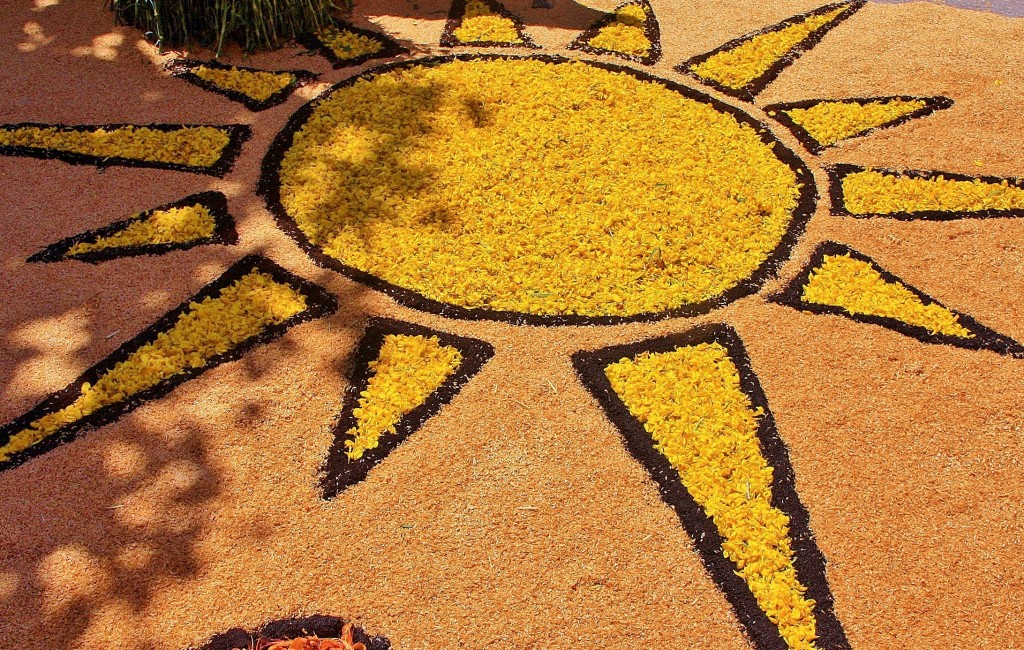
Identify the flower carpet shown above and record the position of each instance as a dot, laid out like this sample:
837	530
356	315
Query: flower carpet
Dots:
479	324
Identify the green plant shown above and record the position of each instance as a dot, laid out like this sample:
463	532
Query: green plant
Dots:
253	24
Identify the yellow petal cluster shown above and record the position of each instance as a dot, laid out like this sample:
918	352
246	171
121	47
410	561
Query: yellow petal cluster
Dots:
196	146
829	122
537	188
879	192
854	285
741	65
347	44
258	84
691	402
482	24
626	33
208	328
405	373
175	225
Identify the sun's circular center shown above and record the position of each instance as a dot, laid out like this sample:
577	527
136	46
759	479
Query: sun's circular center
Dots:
538	187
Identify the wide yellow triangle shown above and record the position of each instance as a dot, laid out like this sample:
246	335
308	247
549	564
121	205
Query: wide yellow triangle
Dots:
829	122
691	402
485	22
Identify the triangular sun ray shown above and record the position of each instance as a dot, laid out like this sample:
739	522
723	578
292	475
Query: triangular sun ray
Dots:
253	302
693	413
745	66
255	89
192	221
404	374
346	45
205	149
910	195
630	32
839	280
823	123
484	23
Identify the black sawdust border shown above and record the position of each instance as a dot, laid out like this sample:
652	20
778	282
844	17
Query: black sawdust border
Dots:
237	135
455	16
223	233
325	627
808	559
984	337
752	89
651	30
836	174
390	47
185	69
339	473
269	188
778	113
319	303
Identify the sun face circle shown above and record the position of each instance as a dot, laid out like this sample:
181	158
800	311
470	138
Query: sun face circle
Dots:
521	187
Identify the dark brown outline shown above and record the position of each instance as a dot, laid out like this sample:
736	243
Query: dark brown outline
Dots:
237	135
390	47
224	233
325	627
836	174
183	69
319	303
651	30
458	9
752	89
984	338
808	560
269	189
777	113
339	473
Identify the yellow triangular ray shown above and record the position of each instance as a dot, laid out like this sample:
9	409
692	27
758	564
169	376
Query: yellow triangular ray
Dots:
691	402
253	301
196	219
407	370
347	45
204	148
483	22
934	195
823	123
631	32
857	287
257	84
745	66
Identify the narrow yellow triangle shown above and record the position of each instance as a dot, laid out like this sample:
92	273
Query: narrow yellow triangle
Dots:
829	122
870	191
859	288
407	370
747	61
483	24
691	402
176	225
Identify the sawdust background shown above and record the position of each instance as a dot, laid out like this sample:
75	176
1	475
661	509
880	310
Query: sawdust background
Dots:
515	518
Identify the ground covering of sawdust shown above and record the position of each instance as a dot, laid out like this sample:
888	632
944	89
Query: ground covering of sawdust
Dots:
515	518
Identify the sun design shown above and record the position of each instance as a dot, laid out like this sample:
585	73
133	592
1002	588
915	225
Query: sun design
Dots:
537	190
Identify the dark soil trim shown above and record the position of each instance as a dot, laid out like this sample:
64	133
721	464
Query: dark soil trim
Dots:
808	559
224	233
325	627
751	90
651	30
837	173
777	112
184	69
339	472
237	135
458	10
984	338
319	303
269	188
390	47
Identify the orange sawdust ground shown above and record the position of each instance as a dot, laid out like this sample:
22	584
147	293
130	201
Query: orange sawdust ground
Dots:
515	518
